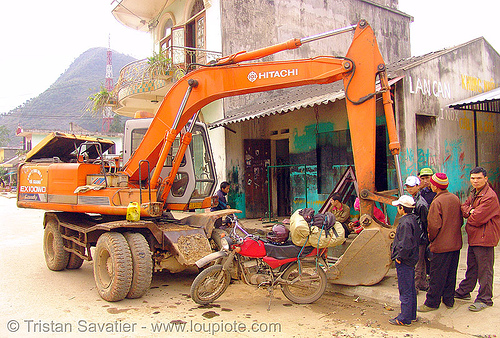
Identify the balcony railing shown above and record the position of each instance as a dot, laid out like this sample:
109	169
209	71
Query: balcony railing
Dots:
136	77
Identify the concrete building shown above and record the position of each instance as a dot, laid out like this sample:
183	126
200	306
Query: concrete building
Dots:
286	149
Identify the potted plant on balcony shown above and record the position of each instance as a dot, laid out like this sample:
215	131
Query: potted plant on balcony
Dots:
99	100
159	66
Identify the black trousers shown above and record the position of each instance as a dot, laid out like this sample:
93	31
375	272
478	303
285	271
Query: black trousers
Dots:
480	262
443	277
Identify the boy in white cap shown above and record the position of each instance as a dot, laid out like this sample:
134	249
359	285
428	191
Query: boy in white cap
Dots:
412	185
405	255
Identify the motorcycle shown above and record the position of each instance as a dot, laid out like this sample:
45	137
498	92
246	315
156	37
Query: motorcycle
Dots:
258	262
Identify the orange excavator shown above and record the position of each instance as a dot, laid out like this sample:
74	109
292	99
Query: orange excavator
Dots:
169	166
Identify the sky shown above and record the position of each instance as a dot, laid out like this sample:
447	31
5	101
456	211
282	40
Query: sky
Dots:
441	24
40	39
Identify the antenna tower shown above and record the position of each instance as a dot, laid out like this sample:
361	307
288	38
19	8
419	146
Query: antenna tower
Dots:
107	114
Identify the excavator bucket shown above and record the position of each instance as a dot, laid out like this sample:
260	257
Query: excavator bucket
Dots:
366	260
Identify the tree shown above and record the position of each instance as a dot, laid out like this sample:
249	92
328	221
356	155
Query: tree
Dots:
4	136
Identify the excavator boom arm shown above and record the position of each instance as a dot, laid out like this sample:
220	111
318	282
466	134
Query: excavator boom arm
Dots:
359	70
212	83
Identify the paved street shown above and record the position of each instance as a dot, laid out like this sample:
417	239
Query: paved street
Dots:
38	301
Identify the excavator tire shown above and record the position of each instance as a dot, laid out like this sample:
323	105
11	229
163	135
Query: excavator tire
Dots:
56	257
142	264
306	285
112	266
74	261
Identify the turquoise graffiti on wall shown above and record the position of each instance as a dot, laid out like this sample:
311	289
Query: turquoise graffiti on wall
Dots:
236	196
455	167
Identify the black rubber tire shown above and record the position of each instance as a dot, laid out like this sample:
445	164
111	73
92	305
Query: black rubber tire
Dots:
56	257
112	266
74	261
304	292
204	289
142	264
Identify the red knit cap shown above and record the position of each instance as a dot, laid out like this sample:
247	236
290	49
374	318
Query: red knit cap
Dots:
440	180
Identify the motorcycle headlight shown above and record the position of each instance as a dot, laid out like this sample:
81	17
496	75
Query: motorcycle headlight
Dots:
224	243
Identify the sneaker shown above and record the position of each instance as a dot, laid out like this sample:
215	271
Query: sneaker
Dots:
464	297
448	306
425	308
395	321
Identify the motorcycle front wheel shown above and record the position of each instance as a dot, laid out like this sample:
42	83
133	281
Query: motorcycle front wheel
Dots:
305	286
210	284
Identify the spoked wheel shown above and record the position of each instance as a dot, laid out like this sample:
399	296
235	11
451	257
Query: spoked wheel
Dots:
306	287
210	284
112	266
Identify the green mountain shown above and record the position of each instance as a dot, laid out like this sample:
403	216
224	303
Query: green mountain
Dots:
65	101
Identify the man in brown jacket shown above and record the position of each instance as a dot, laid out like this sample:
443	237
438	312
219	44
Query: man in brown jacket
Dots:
444	223
341	211
482	211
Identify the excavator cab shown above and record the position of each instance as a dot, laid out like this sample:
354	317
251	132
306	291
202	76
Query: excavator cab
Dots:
195	179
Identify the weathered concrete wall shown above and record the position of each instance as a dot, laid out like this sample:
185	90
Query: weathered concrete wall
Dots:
303	127
252	24
441	138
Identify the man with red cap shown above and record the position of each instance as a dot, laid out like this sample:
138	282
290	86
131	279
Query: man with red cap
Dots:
444	223
482	211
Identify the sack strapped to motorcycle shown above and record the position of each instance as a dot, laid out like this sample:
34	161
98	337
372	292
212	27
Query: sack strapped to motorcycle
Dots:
303	233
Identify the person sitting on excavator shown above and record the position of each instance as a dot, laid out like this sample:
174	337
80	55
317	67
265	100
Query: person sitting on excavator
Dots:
341	211
221	195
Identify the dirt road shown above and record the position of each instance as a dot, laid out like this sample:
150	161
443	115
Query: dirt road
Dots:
37	301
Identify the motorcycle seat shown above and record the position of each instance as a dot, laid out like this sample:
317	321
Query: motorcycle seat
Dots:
286	250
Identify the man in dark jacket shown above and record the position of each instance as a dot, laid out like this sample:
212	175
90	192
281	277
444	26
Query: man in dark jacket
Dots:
425	184
221	196
444	224
482	211
421	209
405	256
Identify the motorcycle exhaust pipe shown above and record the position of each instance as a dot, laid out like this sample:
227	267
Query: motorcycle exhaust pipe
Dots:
209	258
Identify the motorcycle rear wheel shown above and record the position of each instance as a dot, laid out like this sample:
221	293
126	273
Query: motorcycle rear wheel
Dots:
206	289
304	288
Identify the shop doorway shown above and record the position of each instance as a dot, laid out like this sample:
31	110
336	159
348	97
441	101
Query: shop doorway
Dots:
283	178
257	158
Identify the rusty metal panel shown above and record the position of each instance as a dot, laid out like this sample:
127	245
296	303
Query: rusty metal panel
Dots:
257	157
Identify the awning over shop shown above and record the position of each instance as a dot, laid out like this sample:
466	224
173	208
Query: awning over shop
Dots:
485	102
285	100
12	163
488	102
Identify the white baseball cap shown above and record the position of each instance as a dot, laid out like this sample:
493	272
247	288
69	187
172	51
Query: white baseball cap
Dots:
405	200
412	181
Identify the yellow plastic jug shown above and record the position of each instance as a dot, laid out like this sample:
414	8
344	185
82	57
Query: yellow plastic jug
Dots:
133	212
